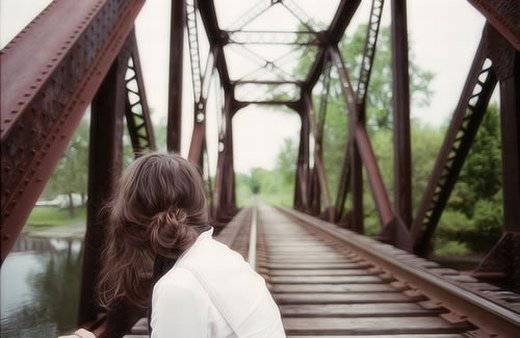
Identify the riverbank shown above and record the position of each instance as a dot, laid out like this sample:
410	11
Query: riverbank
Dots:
75	230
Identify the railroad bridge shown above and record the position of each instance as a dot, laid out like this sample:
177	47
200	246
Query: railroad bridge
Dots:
328	278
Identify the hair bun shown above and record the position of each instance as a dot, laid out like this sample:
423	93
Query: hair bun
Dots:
170	216
170	233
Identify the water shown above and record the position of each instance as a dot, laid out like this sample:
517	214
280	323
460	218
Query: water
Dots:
40	281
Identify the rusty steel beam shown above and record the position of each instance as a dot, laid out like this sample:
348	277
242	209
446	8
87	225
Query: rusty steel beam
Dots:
177	23
216	40
502	263
198	137
266	82
44	98
294	38
331	37
510	117
352	171
379	190
503	16
225	175
401	113
348	171
460	135
320	184
319	181
369	50
343	184
290	104
194	48
506	63
140	128
105	165
301	183
393	229
251	13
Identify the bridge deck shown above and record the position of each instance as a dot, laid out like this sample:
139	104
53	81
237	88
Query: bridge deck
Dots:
328	287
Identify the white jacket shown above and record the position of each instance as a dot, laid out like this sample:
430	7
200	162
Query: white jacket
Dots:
212	292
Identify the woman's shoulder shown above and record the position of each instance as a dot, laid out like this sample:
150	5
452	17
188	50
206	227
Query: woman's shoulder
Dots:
178	281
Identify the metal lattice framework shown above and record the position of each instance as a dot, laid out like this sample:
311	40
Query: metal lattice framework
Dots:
51	74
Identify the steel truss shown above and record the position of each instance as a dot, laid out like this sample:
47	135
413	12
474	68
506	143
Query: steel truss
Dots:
43	100
93	58
137	112
463	128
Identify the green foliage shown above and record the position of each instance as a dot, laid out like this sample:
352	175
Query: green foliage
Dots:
452	248
269	185
51	216
275	186
379	99
474	213
480	177
71	173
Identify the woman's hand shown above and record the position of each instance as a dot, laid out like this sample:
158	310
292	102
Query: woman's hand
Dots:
81	333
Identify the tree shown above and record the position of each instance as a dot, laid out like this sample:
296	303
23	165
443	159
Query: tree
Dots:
480	177
71	174
379	99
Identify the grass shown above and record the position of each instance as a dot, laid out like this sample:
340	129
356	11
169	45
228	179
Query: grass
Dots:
44	217
452	248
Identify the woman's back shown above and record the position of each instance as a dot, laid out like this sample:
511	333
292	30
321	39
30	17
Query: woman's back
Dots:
212	292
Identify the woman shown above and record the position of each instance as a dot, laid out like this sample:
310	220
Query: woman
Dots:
201	288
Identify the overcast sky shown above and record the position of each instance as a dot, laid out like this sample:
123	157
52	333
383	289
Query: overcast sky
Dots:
444	35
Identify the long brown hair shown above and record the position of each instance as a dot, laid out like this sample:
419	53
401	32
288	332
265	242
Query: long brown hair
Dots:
153	213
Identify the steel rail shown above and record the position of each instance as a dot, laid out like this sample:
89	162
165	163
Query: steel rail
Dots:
251	254
489	314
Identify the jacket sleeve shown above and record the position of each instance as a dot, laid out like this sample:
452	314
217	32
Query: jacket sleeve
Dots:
178	311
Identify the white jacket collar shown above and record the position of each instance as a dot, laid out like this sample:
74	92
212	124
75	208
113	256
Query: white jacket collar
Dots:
226	277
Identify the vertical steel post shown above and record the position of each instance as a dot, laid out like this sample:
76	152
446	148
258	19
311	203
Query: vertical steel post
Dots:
401	113
178	19
105	163
230	169
502	263
301	185
510	120
356	172
225	175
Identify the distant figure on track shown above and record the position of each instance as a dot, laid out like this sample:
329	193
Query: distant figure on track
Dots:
159	235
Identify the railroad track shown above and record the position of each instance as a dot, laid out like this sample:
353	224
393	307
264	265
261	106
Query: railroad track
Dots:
330	282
